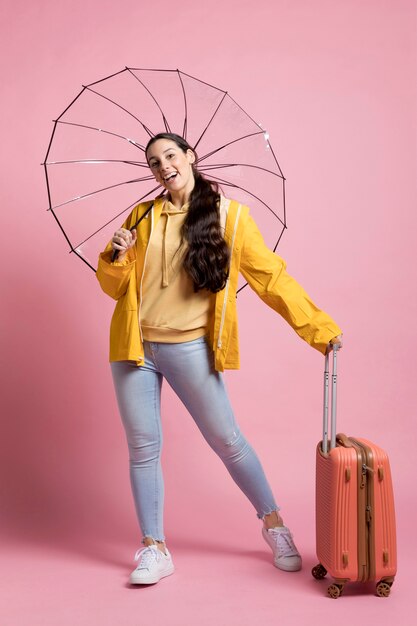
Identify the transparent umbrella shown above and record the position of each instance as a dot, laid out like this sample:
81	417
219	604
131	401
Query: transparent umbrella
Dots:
96	169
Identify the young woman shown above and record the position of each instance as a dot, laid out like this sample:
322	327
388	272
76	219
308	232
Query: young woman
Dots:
175	281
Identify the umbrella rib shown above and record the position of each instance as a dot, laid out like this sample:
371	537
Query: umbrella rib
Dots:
276	160
283	201
85	260
209	168
107	77
279	238
92	193
59	223
150	69
206	156
146	129
228	184
59	118
118	215
229	143
167	127
243	110
185	127
52	210
45	169
203	82
70	104
107	132
136	163
208	85
211	119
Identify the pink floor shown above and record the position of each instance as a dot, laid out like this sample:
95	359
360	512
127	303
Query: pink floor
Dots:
221	578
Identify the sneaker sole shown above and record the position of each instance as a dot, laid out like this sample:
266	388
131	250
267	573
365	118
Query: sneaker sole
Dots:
151	580
285	568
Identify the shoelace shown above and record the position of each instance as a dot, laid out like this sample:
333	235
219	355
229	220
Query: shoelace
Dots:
146	556
285	543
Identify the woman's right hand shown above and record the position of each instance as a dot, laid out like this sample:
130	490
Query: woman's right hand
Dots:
122	241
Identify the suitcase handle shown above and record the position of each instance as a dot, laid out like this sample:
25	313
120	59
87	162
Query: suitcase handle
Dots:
324	445
344	440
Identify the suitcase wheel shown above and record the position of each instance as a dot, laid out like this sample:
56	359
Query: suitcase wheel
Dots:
319	572
383	589
334	591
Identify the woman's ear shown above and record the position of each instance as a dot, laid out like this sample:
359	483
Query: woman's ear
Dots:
191	156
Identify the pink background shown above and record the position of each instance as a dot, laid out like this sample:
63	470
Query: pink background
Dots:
334	82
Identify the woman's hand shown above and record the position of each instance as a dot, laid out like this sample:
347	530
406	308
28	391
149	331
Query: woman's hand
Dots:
336	341
122	241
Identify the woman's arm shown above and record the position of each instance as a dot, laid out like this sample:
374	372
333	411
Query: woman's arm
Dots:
266	273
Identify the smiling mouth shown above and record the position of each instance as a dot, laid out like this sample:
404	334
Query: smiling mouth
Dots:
170	176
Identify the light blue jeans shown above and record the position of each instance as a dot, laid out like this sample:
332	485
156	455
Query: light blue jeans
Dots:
188	368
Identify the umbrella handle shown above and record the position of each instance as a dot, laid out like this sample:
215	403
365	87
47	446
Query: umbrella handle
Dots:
116	252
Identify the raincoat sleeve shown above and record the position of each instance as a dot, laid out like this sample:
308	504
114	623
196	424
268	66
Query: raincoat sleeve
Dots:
266	274
114	276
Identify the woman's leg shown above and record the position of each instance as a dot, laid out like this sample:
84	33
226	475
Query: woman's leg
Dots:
188	367
138	391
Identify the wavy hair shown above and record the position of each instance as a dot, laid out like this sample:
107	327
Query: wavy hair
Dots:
207	258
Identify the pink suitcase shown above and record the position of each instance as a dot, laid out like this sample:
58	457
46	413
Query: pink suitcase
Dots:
355	517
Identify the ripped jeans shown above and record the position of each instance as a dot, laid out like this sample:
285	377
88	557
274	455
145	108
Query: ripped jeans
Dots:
188	368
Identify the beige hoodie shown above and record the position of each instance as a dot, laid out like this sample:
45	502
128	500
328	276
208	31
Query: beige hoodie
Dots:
171	311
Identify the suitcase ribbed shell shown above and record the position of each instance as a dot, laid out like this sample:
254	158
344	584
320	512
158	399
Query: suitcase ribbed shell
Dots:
337	512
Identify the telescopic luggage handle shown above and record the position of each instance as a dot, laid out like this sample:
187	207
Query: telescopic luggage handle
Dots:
324	445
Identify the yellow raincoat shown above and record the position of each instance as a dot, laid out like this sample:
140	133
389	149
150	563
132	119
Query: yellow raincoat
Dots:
262	269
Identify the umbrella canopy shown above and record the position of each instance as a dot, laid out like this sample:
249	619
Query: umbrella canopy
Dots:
96	169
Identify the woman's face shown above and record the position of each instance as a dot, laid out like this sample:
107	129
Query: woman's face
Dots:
171	166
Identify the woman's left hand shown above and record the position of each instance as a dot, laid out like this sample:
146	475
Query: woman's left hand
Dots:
336	341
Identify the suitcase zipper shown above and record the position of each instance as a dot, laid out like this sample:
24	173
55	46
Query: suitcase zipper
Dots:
363	535
365	509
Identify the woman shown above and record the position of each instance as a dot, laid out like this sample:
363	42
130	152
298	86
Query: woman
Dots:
175	281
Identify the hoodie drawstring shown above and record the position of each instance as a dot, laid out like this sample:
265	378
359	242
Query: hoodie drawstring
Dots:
165	281
168	211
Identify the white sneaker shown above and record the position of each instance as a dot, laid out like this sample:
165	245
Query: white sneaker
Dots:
286	555
152	566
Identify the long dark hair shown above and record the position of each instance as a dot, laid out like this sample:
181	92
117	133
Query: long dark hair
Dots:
207	258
